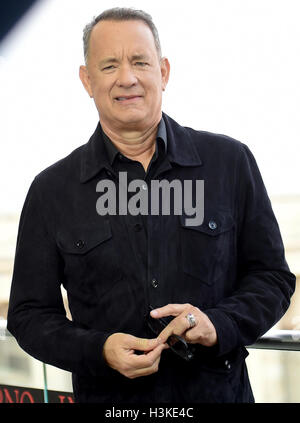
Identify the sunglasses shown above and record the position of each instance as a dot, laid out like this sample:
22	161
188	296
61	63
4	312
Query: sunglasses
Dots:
176	343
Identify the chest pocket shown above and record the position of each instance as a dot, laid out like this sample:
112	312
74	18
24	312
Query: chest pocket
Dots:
206	248
91	263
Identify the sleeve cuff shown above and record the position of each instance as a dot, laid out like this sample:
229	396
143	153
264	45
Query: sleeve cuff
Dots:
95	361
227	331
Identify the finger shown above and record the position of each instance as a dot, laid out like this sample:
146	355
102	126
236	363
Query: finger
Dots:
203	333
166	332
145	371
177	326
142	344
199	337
192	335
146	360
169	310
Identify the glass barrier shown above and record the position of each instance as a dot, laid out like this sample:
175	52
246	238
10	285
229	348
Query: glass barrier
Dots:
24	379
274	375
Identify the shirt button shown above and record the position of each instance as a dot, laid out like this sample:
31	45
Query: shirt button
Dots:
137	227
212	224
154	283
79	244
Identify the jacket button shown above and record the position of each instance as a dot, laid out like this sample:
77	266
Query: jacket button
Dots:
212	224
79	244
137	227
227	364
154	283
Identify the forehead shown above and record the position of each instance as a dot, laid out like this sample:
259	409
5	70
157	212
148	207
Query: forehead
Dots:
115	37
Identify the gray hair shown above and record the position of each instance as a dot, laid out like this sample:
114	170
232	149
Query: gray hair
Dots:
120	14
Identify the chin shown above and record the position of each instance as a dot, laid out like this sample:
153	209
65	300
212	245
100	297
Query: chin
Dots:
131	118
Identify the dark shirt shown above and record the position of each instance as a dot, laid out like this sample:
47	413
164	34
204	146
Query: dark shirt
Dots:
232	267
135	169
117	160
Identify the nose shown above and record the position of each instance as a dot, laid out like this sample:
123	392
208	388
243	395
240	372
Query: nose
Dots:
126	77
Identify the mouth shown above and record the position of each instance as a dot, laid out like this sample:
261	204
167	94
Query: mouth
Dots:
128	98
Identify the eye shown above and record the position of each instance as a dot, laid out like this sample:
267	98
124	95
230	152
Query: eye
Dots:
108	67
141	63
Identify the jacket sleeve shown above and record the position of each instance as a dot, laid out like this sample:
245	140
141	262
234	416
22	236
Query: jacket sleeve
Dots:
264	282
36	314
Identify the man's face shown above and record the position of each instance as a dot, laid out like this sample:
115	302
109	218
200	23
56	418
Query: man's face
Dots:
124	75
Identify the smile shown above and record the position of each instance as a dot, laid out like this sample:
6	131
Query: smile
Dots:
128	99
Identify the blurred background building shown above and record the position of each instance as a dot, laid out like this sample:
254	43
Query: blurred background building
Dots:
234	69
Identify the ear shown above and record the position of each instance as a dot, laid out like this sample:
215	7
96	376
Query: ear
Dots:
165	72
85	79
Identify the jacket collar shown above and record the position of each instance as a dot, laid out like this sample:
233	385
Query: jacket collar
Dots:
180	150
94	157
181	146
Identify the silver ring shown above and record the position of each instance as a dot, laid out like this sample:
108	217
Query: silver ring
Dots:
191	319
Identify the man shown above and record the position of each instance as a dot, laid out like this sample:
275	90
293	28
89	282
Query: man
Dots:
162	306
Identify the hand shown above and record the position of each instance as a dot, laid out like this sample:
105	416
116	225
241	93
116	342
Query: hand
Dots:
203	332
118	351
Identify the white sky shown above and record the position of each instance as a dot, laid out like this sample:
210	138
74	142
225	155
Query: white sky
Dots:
235	69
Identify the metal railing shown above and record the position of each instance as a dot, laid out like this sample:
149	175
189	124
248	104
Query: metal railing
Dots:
279	339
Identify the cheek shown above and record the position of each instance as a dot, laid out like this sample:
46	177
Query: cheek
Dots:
102	96
100	87
153	87
156	95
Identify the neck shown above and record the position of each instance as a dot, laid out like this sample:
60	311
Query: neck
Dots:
136	145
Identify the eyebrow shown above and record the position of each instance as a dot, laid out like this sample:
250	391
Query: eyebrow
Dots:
139	57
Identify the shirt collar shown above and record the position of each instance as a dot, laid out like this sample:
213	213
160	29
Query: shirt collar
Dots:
179	147
112	150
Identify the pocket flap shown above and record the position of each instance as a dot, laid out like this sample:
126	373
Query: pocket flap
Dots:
214	223
81	239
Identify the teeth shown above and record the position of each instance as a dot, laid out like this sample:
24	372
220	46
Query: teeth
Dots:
121	98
